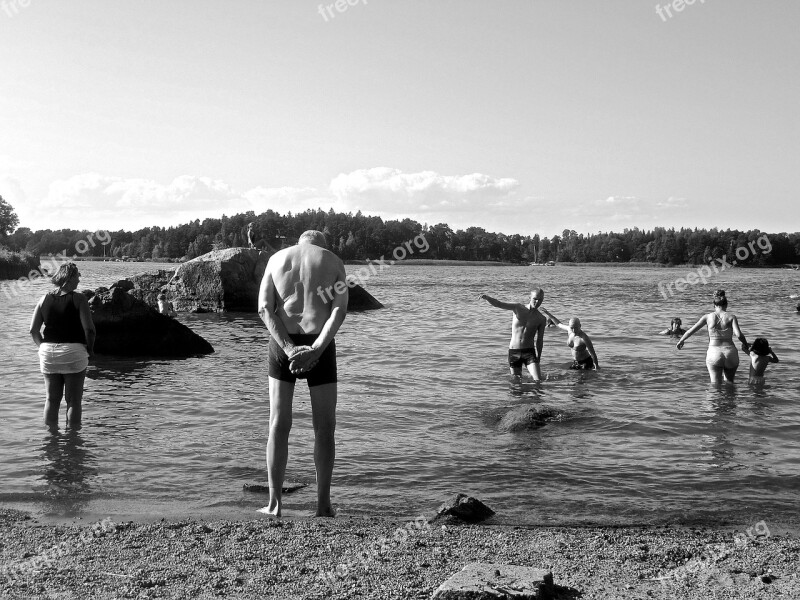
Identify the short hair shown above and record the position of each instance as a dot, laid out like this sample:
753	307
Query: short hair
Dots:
315	237
65	272
676	321
575	322
760	346
539	293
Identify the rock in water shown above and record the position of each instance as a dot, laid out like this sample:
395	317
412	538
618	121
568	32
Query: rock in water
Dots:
222	281
126	326
524	417
464	508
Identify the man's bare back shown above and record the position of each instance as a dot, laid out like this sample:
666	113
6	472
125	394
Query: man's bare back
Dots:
297	273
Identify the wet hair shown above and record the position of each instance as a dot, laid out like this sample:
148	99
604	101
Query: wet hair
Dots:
539	294
65	272
760	346
314	237
676	321
720	299
575	322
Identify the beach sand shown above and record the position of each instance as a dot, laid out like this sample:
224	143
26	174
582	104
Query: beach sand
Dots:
380	559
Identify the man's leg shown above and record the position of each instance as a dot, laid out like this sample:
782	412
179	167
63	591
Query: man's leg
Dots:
535	370
54	391
73	393
280	424
323	411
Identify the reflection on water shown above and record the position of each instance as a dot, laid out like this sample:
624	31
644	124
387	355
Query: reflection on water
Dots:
68	469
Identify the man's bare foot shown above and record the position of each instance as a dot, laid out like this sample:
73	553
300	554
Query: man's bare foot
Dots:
273	508
325	511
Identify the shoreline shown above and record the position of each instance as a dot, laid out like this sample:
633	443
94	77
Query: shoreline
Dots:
368	557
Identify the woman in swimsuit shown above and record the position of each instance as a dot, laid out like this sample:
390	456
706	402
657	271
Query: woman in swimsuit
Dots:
65	345
722	358
583	355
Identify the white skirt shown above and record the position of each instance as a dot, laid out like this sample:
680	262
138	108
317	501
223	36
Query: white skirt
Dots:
62	359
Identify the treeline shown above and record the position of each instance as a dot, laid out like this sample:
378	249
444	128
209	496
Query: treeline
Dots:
360	237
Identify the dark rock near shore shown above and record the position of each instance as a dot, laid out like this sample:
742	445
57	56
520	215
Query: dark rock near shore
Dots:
463	508
126	326
222	281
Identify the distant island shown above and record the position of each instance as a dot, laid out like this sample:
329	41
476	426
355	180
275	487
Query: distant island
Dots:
358	237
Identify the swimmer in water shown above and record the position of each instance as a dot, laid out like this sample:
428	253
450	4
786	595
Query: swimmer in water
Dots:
760	357
583	354
722	358
527	333
674	328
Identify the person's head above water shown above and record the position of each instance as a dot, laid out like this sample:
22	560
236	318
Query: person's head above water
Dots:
537	295
313	237
760	346
675	323
575	324
720	299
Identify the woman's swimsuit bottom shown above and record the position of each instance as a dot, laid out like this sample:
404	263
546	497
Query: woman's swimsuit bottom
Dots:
724	356
583	364
323	372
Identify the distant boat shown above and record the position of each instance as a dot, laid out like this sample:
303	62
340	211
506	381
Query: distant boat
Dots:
551	263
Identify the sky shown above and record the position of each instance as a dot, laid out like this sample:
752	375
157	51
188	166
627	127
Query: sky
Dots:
521	116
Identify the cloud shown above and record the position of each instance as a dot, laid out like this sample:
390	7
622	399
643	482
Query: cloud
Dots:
288	199
386	190
91	199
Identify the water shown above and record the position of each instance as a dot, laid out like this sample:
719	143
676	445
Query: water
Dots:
423	384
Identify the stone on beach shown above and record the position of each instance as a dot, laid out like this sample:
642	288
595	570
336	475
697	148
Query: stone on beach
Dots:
464	508
126	326
487	581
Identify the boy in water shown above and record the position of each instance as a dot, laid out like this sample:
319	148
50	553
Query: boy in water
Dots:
760	357
674	328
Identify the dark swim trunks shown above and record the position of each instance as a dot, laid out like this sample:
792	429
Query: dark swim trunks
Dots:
517	357
323	372
583	365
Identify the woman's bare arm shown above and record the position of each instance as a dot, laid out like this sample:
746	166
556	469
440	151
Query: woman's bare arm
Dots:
695	328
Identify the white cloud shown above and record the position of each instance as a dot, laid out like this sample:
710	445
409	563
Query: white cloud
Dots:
289	199
385	190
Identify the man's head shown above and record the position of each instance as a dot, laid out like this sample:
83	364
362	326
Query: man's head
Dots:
575	324
537	295
313	237
675	323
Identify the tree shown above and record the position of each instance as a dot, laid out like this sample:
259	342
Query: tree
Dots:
8	218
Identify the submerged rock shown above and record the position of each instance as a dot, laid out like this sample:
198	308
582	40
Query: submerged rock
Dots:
528	416
126	326
464	508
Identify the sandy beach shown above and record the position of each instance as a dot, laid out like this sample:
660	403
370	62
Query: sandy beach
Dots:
377	558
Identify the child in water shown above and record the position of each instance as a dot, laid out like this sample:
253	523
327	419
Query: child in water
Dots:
674	328
165	307
760	357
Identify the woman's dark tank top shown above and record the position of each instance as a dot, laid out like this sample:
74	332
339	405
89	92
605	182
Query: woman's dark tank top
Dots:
62	320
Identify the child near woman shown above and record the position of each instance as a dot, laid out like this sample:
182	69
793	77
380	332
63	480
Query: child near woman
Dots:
760	357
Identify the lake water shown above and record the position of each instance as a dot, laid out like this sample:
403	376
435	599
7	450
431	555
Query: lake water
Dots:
422	385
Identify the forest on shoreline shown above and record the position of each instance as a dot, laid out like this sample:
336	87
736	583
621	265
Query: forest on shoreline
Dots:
358	237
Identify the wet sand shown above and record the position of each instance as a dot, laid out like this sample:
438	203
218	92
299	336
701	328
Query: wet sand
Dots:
378	558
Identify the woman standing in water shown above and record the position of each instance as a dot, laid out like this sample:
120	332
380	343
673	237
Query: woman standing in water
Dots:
722	358
65	345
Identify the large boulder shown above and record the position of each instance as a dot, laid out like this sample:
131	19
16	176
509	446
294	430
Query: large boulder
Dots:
463	508
126	326
222	281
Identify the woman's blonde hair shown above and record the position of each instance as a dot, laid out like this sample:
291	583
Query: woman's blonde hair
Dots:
65	272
